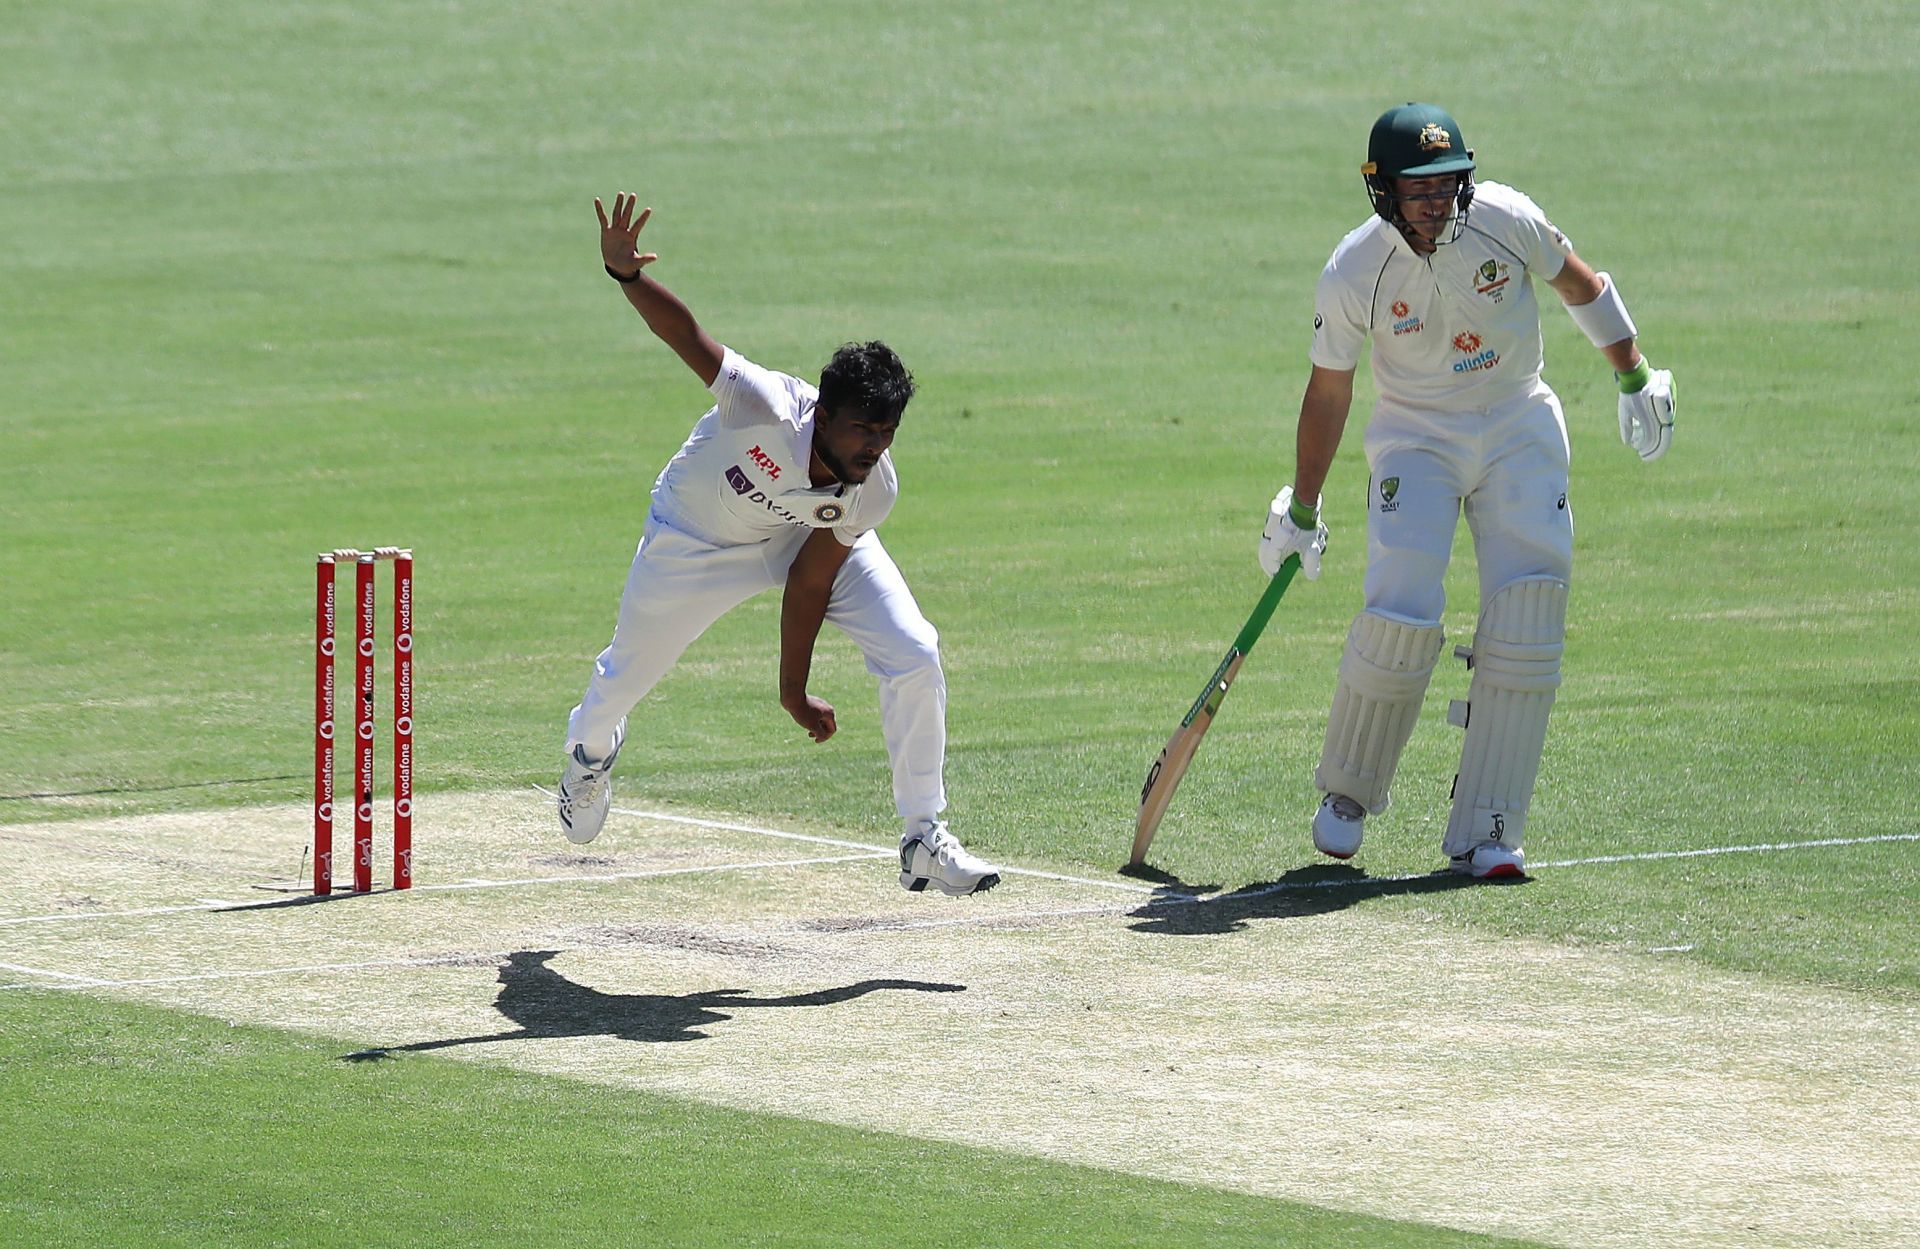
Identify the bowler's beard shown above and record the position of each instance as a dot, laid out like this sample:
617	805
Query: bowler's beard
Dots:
831	462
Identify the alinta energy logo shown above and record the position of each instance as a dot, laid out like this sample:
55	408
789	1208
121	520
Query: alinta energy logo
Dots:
1468	344
1403	323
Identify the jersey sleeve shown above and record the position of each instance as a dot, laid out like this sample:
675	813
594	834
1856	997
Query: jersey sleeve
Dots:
747	394
1340	323
1539	242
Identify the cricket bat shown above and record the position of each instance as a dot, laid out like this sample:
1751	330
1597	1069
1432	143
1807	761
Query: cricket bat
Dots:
1164	776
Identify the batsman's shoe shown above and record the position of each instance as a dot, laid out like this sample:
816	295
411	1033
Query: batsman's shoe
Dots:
585	791
1338	826
929	854
1491	861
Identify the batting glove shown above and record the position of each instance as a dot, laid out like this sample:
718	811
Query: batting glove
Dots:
1286	535
1646	410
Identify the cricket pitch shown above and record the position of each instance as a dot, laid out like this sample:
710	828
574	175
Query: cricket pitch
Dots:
1323	1051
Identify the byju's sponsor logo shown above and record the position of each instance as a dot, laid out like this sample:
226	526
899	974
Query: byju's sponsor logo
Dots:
822	514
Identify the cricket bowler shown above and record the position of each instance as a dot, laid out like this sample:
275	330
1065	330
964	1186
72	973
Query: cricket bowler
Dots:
1441	280
779	484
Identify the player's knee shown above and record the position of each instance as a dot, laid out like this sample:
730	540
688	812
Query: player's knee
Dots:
1410	589
922	652
909	657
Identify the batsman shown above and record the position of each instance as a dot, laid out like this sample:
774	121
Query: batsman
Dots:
1441	280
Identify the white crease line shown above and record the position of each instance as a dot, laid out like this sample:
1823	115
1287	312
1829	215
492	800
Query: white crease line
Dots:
1165	900
1170	898
57	975
469	883
665	871
151	910
1694	854
258	972
859	845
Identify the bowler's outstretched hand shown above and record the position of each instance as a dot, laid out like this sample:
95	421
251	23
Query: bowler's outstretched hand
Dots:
619	238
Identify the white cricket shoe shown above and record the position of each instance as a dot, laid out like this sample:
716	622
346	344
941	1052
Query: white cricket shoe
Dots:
1338	826
585	791
931	854
1491	860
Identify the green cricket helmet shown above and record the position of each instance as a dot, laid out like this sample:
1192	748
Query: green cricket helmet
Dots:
1416	141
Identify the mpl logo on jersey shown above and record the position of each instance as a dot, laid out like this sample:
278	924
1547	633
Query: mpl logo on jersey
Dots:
1402	322
765	462
1467	343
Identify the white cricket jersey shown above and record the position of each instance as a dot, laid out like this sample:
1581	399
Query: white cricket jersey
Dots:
1456	331
741	477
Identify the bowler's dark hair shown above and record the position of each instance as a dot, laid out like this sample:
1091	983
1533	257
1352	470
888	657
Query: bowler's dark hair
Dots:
866	376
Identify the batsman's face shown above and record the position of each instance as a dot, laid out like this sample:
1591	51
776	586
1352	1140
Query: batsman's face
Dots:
850	442
1427	203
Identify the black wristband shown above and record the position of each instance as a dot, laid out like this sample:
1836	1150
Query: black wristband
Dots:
626	281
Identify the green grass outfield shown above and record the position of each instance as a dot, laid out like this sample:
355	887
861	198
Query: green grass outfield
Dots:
292	277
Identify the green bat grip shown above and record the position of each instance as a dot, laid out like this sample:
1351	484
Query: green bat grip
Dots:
1263	610
1216	689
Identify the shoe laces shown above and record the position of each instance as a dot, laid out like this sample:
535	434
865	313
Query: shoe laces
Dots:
585	791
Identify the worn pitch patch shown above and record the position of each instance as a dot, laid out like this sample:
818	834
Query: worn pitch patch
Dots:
1339	1056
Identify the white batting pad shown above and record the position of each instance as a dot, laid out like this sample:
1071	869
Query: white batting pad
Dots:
1516	671
1383	676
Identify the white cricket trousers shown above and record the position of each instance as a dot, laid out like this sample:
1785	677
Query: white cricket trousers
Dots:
679	585
1506	467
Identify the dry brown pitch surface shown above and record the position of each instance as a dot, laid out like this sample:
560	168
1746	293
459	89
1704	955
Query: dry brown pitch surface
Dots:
1323	1052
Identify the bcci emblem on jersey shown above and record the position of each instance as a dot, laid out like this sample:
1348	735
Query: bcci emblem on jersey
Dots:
1388	488
829	513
